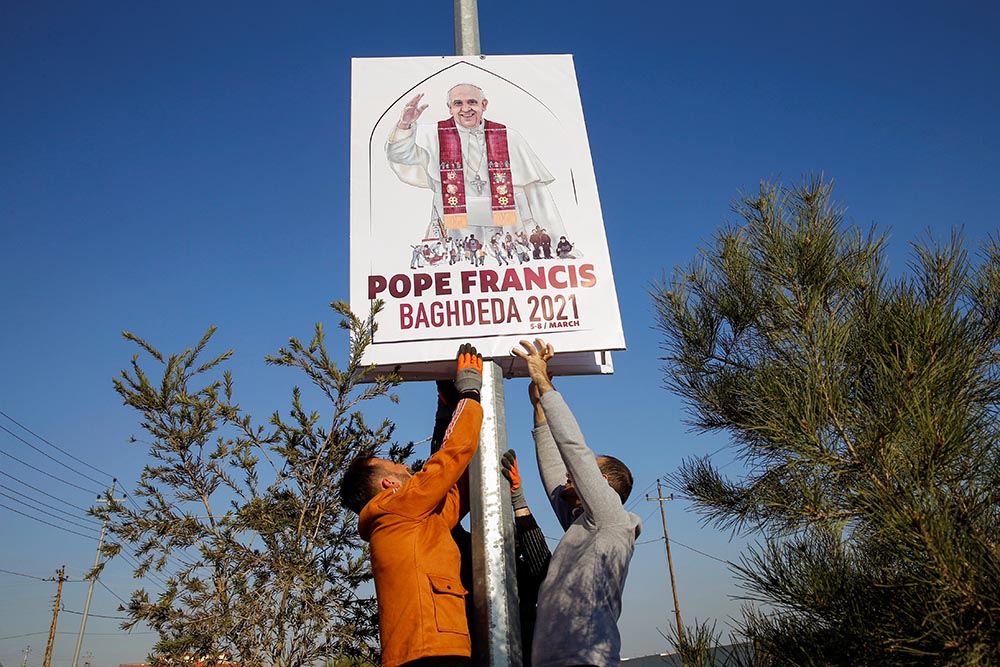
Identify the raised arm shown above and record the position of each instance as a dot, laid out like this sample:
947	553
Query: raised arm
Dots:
600	501
410	162
445	468
563	435
550	465
533	553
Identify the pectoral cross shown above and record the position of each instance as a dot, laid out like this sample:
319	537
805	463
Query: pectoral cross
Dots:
479	184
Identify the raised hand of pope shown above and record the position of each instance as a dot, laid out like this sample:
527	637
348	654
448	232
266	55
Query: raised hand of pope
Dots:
411	112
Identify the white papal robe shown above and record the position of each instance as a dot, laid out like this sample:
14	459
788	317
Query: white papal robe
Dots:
414	156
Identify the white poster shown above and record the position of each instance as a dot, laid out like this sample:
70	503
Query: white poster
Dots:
474	210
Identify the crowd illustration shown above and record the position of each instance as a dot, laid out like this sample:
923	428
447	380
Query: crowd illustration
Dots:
570	599
504	248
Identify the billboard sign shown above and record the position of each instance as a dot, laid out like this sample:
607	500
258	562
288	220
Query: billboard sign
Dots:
474	211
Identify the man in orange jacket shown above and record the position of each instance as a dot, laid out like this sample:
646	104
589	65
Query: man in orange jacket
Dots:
408	518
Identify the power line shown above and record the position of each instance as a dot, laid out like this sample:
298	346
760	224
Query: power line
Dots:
48	523
49	456
130	499
647	517
39	502
117	597
149	571
153	578
702	553
55	516
80	613
63	451
637	497
27	576
49	495
30	634
149	575
681	544
54	446
47	474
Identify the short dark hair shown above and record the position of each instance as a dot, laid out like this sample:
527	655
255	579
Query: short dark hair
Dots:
618	474
357	486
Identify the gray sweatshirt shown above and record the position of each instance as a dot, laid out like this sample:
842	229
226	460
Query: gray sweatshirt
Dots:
581	598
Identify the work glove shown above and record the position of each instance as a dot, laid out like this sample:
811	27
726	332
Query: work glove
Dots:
508	468
469	376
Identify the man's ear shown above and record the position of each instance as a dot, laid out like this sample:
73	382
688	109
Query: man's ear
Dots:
484	103
390	483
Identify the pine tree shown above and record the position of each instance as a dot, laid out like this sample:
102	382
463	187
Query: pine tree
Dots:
241	522
864	409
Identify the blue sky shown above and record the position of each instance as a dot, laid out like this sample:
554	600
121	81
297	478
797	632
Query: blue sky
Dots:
167	166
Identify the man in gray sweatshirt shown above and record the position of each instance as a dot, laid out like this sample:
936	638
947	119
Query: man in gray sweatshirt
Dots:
581	598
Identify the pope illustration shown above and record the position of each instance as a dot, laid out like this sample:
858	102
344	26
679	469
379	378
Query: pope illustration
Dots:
485	178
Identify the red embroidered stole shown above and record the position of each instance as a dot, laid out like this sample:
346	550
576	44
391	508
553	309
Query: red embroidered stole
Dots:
453	176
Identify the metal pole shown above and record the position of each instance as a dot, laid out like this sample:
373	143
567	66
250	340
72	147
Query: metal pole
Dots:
466	28
496	637
670	563
93	580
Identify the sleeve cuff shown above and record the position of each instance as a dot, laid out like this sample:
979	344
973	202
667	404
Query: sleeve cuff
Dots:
398	133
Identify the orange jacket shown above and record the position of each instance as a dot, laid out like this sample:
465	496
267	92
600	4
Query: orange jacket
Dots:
421	600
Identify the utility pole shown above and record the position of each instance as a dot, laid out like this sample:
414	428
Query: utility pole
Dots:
60	577
670	561
24	660
496	632
93	578
466	28
496	635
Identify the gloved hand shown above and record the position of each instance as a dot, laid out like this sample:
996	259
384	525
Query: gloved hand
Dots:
508	468
469	376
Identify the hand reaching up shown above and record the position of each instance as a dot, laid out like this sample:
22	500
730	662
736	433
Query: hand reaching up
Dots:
469	372
536	355
508	468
